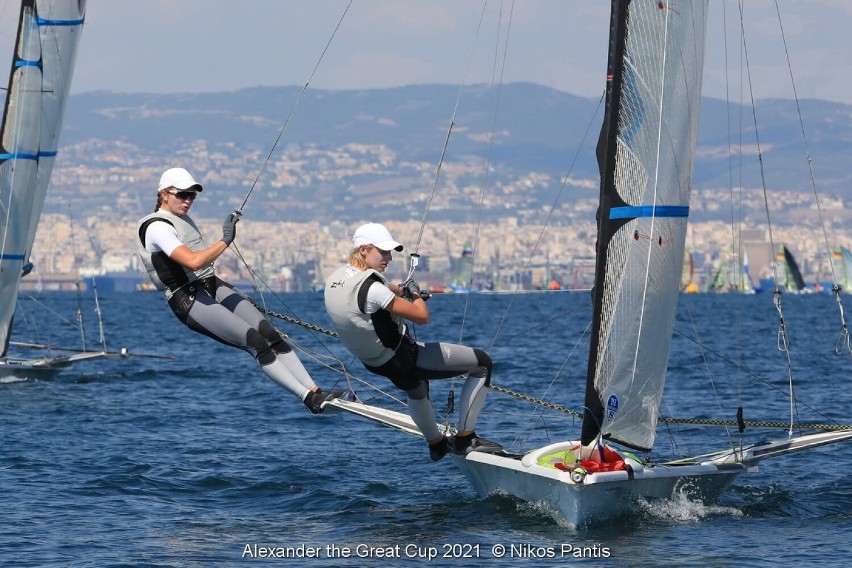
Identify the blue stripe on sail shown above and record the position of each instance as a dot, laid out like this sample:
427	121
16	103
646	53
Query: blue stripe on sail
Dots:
43	22
649	211
47	153
11	256
27	63
22	156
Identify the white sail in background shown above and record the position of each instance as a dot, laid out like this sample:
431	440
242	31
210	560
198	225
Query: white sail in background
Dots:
42	65
645	202
843	259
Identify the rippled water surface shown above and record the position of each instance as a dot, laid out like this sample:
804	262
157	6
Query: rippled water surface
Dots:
201	460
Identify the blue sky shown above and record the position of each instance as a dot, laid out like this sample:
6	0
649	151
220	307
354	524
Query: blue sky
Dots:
217	45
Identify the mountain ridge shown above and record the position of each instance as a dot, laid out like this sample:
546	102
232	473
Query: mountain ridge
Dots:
344	153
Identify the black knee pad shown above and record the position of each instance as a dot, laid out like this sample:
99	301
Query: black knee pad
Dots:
260	347
268	331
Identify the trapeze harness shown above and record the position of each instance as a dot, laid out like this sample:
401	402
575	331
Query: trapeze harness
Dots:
178	282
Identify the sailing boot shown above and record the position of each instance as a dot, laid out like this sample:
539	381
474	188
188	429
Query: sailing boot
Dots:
314	401
439	450
463	445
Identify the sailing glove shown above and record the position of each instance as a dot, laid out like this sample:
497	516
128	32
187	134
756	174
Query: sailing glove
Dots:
229	228
410	287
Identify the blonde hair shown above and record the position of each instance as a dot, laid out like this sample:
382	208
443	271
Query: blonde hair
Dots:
356	259
159	202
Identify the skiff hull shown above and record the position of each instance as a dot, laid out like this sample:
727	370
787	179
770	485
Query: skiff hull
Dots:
593	498
48	367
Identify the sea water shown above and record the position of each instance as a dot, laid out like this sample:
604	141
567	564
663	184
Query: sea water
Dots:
201	460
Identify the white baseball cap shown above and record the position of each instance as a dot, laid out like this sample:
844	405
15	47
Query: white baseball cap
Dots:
377	235
178	178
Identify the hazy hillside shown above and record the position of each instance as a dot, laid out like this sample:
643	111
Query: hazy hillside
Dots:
345	153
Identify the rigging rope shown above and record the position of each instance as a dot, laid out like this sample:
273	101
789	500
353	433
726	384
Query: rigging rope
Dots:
844	333
694	421
486	166
77	283
570	412
449	132
783	340
239	211
734	240
294	321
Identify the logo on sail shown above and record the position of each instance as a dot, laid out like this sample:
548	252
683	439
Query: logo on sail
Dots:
611	407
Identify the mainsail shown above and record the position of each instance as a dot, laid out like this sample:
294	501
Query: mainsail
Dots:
43	61
645	153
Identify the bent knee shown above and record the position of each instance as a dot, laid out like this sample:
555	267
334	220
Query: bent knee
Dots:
268	331
260	347
483	359
419	391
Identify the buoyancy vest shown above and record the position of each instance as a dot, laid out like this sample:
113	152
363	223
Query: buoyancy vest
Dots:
166	274
373	338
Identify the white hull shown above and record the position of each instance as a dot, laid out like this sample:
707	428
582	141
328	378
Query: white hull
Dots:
594	497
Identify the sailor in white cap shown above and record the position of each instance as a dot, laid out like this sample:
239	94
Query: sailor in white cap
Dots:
180	263
368	314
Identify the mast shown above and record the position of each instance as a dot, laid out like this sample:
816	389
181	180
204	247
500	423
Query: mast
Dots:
606	151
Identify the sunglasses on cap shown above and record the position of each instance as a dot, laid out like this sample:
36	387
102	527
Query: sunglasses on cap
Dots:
183	195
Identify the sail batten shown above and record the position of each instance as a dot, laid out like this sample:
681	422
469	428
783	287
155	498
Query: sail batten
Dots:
646	155
43	61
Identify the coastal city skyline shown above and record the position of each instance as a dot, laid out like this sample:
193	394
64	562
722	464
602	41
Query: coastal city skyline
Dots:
287	256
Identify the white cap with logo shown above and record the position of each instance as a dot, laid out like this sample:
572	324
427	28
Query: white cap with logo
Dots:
178	178
377	235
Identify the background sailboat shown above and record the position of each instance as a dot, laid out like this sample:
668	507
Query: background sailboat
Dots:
843	260
39	80
789	275
687	279
463	270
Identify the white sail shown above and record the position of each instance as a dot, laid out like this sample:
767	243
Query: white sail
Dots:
645	202
43	61
843	260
